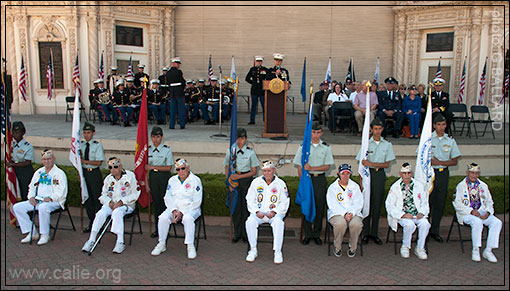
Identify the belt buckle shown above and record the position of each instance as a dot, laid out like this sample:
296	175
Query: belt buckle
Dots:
155	170
441	169
316	175
89	169
377	169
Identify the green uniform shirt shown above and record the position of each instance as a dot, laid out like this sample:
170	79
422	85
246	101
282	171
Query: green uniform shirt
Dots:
160	156
96	152
444	148
379	153
245	160
320	155
22	151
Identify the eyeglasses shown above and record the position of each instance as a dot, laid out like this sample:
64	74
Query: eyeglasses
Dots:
180	169
114	167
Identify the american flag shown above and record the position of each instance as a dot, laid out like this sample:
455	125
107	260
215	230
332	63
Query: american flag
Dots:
505	88
482	84
101	68
76	76
438	72
10	175
462	84
23	81
210	68
130	69
50	75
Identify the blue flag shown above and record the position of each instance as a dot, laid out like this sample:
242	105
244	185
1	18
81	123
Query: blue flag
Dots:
303	83
232	195
305	197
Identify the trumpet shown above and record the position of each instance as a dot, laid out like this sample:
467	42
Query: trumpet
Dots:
231	82
104	98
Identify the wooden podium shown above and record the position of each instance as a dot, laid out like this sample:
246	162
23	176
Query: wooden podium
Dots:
275	111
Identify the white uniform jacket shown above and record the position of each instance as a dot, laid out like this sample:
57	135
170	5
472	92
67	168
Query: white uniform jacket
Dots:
266	198
395	202
461	202
125	189
185	196
58	184
341	202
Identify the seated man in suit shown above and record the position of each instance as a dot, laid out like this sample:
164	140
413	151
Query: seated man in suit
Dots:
390	107
320	103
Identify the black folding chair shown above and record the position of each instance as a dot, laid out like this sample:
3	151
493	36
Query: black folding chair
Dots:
395	242
55	228
70	108
345	113
460	114
329	233
199	223
480	111
462	240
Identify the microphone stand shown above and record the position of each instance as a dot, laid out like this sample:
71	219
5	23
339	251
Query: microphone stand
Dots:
220	103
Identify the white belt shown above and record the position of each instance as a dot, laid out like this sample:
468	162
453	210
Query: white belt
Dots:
175	84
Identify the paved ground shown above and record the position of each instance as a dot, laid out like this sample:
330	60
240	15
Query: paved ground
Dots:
61	263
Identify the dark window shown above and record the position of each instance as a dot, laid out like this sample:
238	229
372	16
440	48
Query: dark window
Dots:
440	42
45	48
122	67
129	35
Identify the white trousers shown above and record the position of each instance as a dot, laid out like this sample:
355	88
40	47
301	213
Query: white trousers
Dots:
21	210
117	219
188	220
477	224
409	226
277	224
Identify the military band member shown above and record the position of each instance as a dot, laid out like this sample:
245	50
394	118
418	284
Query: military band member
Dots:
183	199
379	155
122	103
109	114
141	77
119	195
441	102
277	71
112	79
320	163
176	82
22	157
212	97
227	95
135	94
445	153
155	102
191	99
163	82
246	163
255	77
92	157
159	167
93	99
267	201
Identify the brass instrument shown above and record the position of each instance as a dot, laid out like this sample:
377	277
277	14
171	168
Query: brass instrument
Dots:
226	99
133	98
231	82
104	98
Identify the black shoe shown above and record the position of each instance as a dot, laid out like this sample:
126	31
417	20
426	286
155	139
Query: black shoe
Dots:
317	241
251	123
209	122
154	234
364	240
245	239
235	240
86	229
437	237
377	240
306	241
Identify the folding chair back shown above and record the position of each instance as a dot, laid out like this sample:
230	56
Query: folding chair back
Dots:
327	238
481	114
55	228
460	114
200	222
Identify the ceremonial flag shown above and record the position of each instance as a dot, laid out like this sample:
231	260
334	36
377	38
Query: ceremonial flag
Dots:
74	151
438	72
482	84
364	171
49	76
233	70
350	72
505	88
141	151
23	81
305	197
130	69
232	195
423	170
210	69
100	75
328	74
10	175
76	76
376	74
303	83
462	84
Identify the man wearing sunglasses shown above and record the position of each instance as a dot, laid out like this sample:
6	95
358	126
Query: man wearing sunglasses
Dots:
119	195
183	199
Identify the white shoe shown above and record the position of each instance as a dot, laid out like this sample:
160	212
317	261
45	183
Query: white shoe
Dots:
420	253
192	252
158	249
404	252
489	256
252	255
88	246
27	238
119	248
43	240
475	255
278	257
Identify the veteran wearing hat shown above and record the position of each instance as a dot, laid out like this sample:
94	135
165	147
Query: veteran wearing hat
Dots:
390	107
122	102
277	71
183	199
141	77
22	156
176	83
474	207
47	192
379	156
407	204
244	162
320	163
440	102
268	201
155	103
119	195
255	77
92	156
345	202
159	166
445	153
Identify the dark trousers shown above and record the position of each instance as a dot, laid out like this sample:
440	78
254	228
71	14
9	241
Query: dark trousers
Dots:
254	103
320	185
398	117
177	106
94	181
241	213
437	199
158	182
24	176
377	182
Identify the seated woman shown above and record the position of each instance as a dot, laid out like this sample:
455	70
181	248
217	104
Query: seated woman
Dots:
411	106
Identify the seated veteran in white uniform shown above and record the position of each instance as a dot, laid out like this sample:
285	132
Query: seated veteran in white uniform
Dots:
474	206
47	192
119	195
182	199
267	201
407	204
345	203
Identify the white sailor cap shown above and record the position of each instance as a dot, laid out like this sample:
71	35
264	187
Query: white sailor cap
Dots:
259	58
278	56
165	69
154	81
189	82
201	81
130	79
267	164
119	82
98	81
214	78
222	82
438	81
141	66
176	60
114	68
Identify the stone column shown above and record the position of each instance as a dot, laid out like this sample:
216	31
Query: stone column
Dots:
399	47
107	27
167	36
460	52
93	48
472	92
155	33
413	39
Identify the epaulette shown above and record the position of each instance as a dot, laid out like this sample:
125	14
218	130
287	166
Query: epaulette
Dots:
324	143
96	141
27	143
249	148
165	146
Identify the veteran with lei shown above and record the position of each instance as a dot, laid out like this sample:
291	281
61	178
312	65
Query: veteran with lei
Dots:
474	206
119	195
268	201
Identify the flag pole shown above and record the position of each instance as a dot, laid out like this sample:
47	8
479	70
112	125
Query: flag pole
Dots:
53	81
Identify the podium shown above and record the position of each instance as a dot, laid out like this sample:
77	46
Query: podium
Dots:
275	111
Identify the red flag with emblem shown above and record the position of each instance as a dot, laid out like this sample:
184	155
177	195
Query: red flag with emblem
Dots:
141	151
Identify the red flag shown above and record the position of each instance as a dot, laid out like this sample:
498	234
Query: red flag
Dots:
141	151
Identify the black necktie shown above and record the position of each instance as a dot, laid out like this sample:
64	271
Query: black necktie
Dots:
87	150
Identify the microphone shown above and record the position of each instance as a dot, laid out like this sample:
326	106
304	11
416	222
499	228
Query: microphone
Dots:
220	69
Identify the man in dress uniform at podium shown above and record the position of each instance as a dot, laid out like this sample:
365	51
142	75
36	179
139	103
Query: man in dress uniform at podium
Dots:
255	76
277	71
